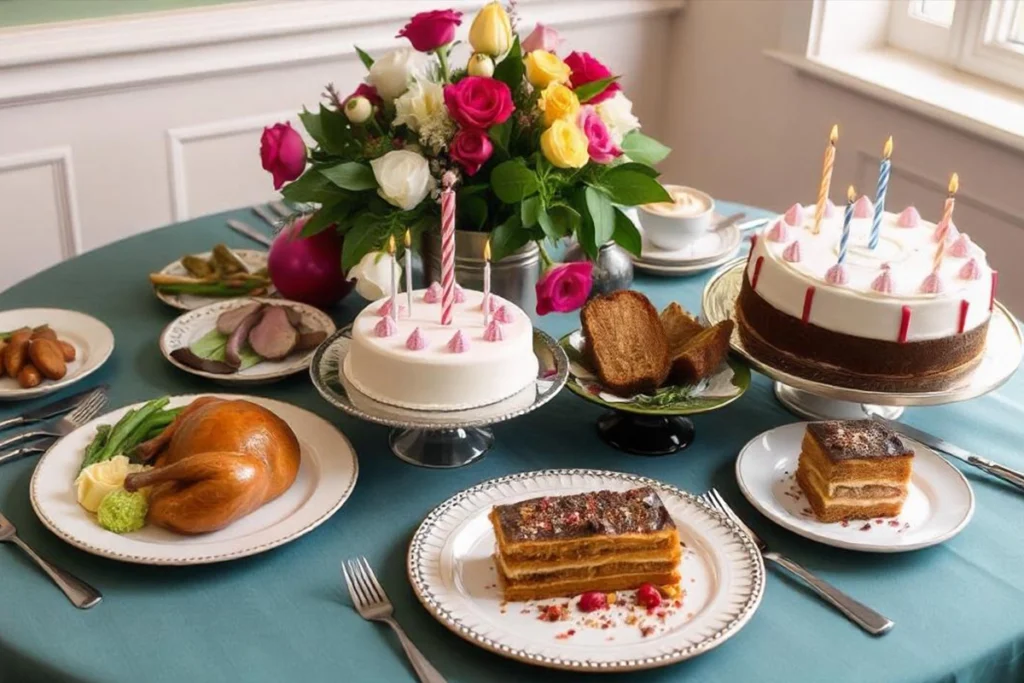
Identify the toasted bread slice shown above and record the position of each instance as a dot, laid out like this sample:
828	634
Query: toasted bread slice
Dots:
626	343
702	354
679	326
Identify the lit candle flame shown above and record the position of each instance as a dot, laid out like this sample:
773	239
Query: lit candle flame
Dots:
408	239
487	250
834	135
954	184
887	150
851	194
391	244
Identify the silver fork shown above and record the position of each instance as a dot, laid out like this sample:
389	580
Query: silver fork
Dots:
81	594
373	604
857	612
86	410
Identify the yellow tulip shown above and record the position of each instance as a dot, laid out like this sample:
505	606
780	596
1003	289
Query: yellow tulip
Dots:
558	102
480	65
543	67
564	145
491	32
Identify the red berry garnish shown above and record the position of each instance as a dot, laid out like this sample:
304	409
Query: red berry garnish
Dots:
648	596
594	600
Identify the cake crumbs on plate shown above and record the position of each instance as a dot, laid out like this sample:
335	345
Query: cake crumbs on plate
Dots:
866	527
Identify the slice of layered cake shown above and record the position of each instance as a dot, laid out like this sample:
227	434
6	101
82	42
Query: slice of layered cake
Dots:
566	545
853	469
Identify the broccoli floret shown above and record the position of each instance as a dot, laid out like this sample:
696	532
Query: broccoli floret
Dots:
122	512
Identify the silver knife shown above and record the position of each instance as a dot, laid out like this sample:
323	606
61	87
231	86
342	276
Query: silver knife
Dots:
243	229
37	446
1003	472
58	407
281	209
728	221
269	218
83	412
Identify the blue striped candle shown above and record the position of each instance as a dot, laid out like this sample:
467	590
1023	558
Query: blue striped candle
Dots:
883	185
844	241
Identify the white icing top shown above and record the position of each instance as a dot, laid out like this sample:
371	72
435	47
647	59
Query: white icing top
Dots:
855	307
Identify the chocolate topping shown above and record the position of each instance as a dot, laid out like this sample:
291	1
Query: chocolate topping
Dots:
604	513
860	439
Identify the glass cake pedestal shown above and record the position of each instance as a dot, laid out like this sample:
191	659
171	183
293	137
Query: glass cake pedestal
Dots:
819	401
432	438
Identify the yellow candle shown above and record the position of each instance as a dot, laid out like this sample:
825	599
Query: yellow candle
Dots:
943	228
826	178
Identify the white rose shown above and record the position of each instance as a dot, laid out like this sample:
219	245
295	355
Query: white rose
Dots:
373	275
391	73
422	102
617	114
403	178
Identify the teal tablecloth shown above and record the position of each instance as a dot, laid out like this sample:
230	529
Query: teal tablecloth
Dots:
285	616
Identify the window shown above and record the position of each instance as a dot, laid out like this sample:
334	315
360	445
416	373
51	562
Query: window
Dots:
983	37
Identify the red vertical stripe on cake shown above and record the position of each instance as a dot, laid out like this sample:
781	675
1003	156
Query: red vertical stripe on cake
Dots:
964	305
753	244
757	271
904	324
992	296
808	300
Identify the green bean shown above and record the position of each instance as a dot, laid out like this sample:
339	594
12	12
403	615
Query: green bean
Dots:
102	433
122	431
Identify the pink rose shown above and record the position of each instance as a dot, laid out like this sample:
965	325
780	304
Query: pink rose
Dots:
283	153
471	148
428	31
586	69
600	145
368	91
543	38
478	102
564	287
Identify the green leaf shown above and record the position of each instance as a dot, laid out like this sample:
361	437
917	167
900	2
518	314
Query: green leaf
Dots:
513	182
529	211
626	235
366	59
565	221
311	122
326	216
311	186
602	215
588	91
500	134
639	168
468	190
213	346
337	133
508	237
359	241
351	175
472	211
643	149
510	70
629	188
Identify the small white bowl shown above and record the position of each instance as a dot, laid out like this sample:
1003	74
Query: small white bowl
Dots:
672	231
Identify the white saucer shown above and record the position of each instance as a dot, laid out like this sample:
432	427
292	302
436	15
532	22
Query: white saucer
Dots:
692	268
709	246
939	505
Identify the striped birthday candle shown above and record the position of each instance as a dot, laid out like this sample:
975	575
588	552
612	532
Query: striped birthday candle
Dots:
447	248
883	185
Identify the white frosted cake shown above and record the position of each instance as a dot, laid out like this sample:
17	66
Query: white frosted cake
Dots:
884	320
416	362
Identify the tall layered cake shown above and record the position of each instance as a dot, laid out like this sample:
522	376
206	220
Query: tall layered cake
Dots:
409	358
892	316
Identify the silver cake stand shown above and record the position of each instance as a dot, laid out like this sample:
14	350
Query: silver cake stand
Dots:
439	439
818	401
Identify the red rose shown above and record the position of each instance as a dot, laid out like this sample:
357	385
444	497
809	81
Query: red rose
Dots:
586	69
368	91
565	287
428	31
478	102
283	153
471	148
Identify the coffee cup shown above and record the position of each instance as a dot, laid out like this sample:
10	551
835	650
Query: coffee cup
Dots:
674	224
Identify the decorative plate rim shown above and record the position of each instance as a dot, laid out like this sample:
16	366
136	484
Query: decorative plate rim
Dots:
415	559
173	300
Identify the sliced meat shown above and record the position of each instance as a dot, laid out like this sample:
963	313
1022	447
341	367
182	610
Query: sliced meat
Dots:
274	337
238	338
185	356
309	338
228	321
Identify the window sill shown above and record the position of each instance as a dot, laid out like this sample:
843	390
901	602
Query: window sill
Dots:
967	102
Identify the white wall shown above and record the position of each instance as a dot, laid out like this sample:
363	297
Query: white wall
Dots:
746	127
112	127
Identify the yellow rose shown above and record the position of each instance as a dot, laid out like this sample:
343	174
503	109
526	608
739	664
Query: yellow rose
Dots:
558	102
565	145
491	32
543	67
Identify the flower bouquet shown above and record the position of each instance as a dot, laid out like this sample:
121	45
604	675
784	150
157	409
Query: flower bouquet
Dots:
542	148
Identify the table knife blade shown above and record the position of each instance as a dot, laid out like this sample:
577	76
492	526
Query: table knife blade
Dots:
243	229
49	410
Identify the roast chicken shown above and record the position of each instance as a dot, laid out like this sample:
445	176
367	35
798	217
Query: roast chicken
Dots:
216	463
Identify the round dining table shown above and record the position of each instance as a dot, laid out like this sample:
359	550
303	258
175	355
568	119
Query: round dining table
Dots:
285	615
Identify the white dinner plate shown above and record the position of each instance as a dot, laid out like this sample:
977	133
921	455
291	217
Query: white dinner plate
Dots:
708	247
939	503
661	269
254	259
327	474
452	572
93	342
193	325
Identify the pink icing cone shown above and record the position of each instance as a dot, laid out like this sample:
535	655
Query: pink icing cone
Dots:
883	283
836	275
494	305
460	295
792	252
862	208
416	342
459	343
932	284
433	293
830	209
493	332
970	270
503	315
779	232
385	309
794	215
386	327
951	234
909	218
961	247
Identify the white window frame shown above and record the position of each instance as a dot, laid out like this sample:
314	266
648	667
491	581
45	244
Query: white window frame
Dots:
975	42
